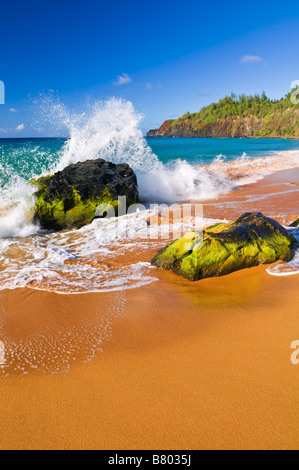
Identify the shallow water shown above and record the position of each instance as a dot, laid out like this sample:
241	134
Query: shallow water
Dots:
45	332
168	171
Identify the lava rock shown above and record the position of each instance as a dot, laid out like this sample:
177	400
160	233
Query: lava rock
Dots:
251	240
70	198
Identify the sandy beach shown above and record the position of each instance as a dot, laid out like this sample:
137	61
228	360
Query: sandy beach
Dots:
170	365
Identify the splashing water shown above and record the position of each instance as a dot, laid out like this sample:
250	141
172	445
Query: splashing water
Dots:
19	162
96	258
292	267
78	261
108	130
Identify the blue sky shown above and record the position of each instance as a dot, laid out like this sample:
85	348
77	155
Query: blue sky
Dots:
166	57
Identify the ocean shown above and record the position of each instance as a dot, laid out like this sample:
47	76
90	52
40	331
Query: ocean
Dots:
168	170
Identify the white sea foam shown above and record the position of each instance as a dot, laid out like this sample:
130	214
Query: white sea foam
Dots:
80	261
16	210
92	259
109	130
292	267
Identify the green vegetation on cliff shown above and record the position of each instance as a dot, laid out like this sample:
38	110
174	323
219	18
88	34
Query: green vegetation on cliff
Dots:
237	116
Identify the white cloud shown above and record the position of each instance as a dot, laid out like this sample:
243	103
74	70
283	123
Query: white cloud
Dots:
148	86
19	128
250	59
13	110
122	79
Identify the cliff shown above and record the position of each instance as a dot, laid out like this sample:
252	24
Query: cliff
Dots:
243	116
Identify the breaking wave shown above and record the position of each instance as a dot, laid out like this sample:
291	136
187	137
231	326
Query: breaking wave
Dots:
78	261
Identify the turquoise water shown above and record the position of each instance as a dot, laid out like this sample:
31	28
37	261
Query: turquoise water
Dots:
31	157
204	150
107	254
27	157
168	171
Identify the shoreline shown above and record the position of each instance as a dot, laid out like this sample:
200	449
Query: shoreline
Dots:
171	365
165	137
216	137
270	195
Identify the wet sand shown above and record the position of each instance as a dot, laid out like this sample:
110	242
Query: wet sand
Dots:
276	195
171	365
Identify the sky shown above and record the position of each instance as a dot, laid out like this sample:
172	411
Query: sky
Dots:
166	57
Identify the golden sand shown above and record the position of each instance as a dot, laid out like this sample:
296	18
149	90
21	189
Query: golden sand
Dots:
178	365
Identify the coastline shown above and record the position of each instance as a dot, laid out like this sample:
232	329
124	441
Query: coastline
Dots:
226	137
177	365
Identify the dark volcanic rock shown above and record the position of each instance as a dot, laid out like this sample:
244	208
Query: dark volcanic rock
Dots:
70	197
224	248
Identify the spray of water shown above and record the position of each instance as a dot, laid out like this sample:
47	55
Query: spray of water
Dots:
111	130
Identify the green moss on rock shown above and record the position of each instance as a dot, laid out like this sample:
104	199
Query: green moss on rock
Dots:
70	198
224	248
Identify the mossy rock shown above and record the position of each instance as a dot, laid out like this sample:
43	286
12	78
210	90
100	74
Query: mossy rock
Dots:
70	198
251	240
